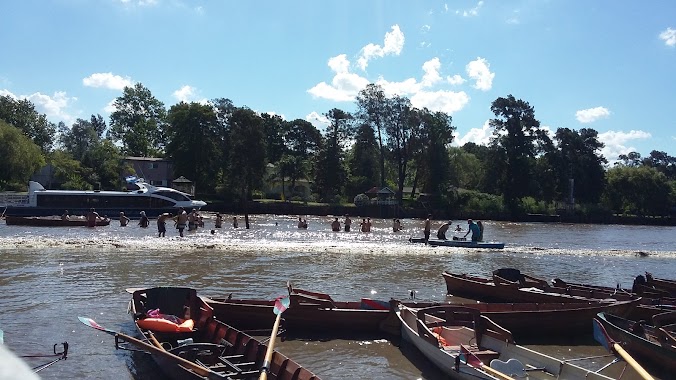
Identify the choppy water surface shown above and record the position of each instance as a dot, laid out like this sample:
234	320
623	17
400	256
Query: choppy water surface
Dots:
52	275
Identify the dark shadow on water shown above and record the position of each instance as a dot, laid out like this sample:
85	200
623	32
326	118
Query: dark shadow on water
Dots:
428	370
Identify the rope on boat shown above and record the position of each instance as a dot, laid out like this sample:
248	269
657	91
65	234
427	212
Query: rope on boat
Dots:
63	355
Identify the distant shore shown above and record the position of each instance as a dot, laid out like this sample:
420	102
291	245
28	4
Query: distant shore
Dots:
375	211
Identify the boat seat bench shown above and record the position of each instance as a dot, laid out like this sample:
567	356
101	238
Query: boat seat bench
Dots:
485	355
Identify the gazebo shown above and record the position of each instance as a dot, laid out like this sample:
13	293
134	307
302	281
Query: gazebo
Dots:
183	184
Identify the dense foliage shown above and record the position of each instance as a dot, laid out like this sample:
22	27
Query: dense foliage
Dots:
233	153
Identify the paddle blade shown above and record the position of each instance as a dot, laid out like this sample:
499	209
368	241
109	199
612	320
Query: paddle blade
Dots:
92	323
601	335
512	367
281	304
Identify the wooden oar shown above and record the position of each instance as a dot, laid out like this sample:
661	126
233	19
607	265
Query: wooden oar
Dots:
198	369
601	336
475	362
281	304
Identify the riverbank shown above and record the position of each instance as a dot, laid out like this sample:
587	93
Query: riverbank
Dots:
389	211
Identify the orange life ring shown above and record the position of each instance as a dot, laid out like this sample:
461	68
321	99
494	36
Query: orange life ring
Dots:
164	325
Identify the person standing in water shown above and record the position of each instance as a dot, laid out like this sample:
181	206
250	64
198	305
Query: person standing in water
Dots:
181	221
144	222
92	217
219	221
348	223
123	219
162	224
335	225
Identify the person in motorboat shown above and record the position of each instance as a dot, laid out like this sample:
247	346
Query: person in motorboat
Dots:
441	233
123	219
335	225
474	229
65	215
428	227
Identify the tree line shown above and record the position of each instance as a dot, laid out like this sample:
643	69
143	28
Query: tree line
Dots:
226	149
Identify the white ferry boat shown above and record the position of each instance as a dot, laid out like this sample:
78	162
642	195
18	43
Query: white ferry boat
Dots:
148	198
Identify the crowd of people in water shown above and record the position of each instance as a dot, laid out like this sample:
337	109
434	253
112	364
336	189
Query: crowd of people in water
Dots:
193	220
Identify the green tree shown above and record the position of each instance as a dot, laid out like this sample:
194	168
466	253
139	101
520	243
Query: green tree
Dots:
247	153
138	122
275	129
662	162
331	175
106	161
433	162
466	170
402	126
516	132
303	141
363	161
637	190
81	136
22	115
193	143
69	174
372	110
21	157
582	162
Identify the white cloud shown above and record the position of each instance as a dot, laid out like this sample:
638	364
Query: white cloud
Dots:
669	37
55	107
110	107
318	120
345	85
444	101
592	114
479	70
455	80
107	80
616	143
425	28
141	3
479	136
188	94
431	75
393	45
184	94
473	11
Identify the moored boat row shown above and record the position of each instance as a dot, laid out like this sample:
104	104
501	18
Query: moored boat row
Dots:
197	337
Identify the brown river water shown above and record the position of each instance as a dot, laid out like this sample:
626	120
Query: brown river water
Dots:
50	276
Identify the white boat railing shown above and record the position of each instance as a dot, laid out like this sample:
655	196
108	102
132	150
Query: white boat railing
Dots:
9	199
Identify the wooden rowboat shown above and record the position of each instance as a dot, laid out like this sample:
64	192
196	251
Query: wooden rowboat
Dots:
318	312
450	337
653	346
54	221
652	301
213	349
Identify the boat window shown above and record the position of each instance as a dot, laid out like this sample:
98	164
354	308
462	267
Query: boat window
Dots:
175	195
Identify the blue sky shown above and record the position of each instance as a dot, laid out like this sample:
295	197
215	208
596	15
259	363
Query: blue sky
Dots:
606	65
